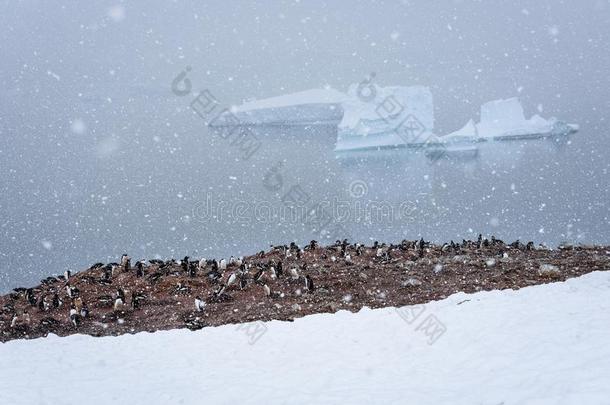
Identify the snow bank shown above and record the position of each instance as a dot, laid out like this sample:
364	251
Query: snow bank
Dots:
546	344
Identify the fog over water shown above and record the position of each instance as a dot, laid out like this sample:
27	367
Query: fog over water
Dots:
98	157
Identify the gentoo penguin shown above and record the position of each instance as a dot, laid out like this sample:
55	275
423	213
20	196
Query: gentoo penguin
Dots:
202	264
118	304
231	260
14	321
294	273
192	269
267	290
309	283
184	263
239	261
26	316
74	316
84	311
126	262
120	294
223	265
135	300
199	304
139	269
69	290
29	295
232	279
529	246
42	304
220	290
243	281
273	273
379	252
348	258
56	301
67	274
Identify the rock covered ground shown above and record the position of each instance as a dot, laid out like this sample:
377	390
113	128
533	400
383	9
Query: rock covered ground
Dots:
125	297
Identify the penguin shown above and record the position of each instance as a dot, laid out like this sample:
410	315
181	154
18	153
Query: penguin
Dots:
184	264
118	304
42	305
294	273
267	290
231	260
67	274
223	265
239	261
243	282
56	301
29	295
139	269
192	269
84	311
202	264
26	316
126	263
273	273
309	283
69	290
135	300
219	291
232	279
120	294
74	316
14	321
348	259
280	269
530	245
379	252
199	304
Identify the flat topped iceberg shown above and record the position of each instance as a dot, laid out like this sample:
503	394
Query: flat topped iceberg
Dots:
504	119
391	116
314	106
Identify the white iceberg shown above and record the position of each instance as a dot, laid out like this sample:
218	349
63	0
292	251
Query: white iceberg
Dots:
314	106
389	117
505	120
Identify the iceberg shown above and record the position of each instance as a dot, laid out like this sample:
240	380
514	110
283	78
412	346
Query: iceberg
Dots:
395	116
504	119
314	106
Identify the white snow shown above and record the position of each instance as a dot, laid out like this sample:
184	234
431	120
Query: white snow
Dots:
546	344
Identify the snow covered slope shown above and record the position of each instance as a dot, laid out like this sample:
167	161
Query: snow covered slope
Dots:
541	345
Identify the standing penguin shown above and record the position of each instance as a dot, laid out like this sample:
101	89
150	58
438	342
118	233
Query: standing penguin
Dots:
267	290
223	264
74	317
202	263
67	274
185	264
126	263
139	269
56	301
309	283
199	304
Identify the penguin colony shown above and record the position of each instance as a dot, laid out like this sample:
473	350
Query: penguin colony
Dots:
155	294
